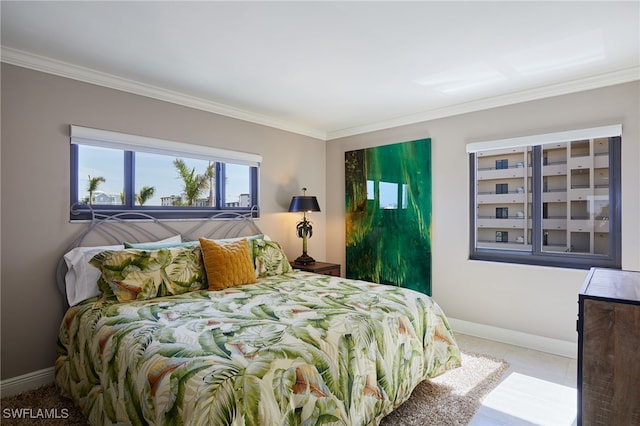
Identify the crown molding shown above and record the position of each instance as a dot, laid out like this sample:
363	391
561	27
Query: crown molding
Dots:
88	75
595	82
64	69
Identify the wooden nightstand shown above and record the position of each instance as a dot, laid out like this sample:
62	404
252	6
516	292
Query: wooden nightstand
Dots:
323	268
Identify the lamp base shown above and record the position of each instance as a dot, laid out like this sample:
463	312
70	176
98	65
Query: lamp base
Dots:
305	259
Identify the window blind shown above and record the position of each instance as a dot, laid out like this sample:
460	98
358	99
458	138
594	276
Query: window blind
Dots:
108	139
566	136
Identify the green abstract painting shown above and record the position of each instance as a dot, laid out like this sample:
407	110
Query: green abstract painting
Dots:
388	217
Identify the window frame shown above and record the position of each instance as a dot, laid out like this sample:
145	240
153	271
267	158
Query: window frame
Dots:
80	211
536	256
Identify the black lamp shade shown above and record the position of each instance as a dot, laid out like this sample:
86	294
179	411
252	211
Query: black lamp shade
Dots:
304	203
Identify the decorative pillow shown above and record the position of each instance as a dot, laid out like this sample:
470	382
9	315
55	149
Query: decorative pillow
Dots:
227	263
155	246
135	274
150	245
81	279
268	258
234	239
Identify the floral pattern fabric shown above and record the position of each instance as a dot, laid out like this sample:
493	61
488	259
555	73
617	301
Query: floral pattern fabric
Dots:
146	274
297	348
268	258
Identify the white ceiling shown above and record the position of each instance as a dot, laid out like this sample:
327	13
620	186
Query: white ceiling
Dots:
330	69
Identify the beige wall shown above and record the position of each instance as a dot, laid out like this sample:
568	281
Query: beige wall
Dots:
535	300
37	109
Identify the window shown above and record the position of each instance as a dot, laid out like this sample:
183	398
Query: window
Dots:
114	173
502	237
502	188
565	199
502	213
502	164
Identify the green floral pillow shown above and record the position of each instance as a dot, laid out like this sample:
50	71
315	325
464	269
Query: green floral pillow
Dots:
135	274
268	258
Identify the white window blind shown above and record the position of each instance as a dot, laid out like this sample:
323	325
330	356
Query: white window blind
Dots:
570	135
107	139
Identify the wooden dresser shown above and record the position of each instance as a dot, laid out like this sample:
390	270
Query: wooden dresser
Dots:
609	348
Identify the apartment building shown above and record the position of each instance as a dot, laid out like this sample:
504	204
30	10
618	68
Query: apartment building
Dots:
575	197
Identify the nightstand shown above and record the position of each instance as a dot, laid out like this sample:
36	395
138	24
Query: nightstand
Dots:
323	268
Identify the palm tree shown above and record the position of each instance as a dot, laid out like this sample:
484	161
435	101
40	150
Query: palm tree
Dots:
194	184
94	183
210	173
146	192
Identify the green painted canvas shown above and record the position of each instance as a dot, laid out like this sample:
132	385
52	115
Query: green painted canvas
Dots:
388	217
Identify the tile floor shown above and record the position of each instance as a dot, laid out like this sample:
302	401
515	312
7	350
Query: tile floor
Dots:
537	389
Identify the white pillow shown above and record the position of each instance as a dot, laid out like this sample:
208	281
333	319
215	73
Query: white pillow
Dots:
81	279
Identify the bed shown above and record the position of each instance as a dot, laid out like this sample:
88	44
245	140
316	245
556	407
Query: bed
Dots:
289	348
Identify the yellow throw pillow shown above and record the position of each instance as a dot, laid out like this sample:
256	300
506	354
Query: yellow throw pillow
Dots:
227	263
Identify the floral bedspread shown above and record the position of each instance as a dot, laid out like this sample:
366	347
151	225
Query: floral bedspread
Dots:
298	348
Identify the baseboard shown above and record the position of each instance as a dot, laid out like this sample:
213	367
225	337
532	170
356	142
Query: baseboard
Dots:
29	381
516	338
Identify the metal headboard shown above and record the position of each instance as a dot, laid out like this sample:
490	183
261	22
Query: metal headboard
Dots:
136	227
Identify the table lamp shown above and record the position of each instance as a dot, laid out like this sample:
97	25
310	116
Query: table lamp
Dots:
304	203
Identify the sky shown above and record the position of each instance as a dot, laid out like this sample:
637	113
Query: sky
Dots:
151	170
